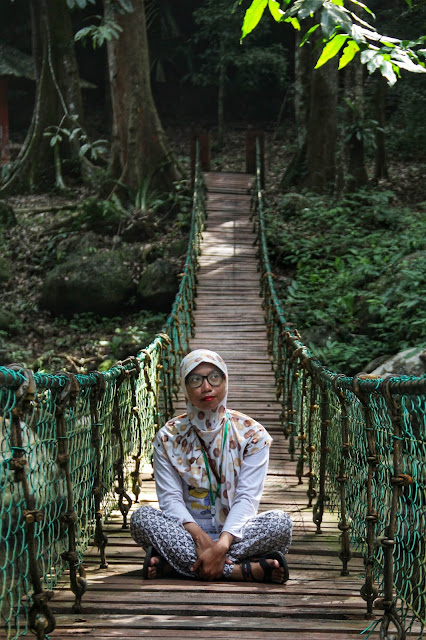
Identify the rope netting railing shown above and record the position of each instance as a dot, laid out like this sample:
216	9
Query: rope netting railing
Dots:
360	445
71	450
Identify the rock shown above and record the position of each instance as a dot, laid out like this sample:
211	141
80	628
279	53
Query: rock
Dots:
7	216
97	282
158	286
376	363
292	203
178	247
78	242
5	270
410	362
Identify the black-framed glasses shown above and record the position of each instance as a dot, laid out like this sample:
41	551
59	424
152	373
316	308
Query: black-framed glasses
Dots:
195	380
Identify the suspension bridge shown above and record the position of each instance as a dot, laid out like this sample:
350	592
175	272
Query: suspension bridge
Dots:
347	462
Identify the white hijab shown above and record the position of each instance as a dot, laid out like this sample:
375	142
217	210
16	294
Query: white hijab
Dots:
179	442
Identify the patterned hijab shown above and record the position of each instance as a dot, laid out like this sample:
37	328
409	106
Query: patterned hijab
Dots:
178	440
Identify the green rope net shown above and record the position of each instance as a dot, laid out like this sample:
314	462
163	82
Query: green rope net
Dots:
71	450
72	446
360	445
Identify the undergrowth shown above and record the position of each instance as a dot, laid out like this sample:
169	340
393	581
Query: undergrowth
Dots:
351	274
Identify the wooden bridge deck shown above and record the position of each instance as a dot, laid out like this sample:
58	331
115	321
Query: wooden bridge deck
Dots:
317	603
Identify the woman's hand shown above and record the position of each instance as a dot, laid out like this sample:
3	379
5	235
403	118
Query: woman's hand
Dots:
211	561
202	539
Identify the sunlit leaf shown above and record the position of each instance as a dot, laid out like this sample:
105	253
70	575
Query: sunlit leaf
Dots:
308	34
331	49
349	52
294	23
363	6
253	16
275	9
387	71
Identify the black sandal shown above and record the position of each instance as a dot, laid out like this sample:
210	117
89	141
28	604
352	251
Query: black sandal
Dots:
267	570
160	566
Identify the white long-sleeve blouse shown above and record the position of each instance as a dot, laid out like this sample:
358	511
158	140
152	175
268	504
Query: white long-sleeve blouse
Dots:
185	504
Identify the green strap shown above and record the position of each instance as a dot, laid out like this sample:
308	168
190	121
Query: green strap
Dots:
213	497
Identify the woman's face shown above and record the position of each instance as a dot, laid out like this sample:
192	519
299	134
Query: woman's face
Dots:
206	397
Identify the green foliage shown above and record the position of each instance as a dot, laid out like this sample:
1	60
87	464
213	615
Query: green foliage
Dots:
106	339
103	216
359	126
354	276
340	25
249	65
74	133
106	30
406	129
124	6
149	200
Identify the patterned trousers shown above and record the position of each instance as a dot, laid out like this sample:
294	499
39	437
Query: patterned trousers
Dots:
268	531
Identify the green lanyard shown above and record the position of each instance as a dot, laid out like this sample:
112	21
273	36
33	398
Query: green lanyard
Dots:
213	497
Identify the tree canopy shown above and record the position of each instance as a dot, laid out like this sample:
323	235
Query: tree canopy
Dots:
345	31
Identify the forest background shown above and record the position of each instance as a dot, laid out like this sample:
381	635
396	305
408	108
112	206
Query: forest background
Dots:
94	195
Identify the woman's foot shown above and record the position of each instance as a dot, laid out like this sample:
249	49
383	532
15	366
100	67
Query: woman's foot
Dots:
272	568
155	566
158	568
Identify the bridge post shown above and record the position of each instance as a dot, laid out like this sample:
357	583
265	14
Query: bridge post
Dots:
251	137
203	138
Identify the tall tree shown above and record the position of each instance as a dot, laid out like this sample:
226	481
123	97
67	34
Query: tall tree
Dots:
58	95
315	106
322	126
139	149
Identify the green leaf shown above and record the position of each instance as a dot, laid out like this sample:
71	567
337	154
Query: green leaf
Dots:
308	33
348	53
387	71
331	49
308	7
83	150
333	17
83	33
403	61
294	22
275	9
363	6
253	16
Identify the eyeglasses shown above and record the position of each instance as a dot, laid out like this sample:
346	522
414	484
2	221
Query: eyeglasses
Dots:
195	380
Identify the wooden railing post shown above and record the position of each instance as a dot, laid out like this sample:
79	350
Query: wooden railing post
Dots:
203	138
251	137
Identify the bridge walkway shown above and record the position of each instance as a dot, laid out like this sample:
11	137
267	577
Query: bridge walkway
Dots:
317	603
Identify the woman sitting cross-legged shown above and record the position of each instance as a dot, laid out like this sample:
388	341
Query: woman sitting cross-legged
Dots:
210	467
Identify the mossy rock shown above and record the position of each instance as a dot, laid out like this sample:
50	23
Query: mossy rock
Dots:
178	247
5	270
158	286
97	282
7	216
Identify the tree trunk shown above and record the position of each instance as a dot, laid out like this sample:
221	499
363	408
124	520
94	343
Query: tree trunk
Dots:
322	127
355	172
57	97
381	164
303	63
139	151
221	101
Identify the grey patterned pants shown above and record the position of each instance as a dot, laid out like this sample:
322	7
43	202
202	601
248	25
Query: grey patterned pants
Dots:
268	531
